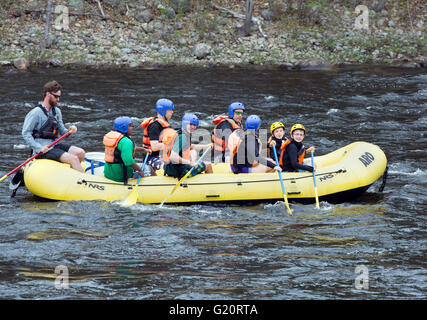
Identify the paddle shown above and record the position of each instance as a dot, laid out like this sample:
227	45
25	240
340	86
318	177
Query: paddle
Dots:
281	182
186	175
133	197
314	180
35	156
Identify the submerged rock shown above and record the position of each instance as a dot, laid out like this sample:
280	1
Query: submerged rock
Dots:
313	64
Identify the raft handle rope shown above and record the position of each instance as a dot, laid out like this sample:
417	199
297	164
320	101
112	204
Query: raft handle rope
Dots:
385	174
92	165
85	182
239	183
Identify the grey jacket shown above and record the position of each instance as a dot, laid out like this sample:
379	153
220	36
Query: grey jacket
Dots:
34	120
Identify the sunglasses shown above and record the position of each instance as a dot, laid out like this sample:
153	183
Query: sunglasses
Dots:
238	113
55	95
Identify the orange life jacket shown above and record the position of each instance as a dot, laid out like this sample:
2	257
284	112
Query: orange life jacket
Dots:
168	137
235	145
112	154
145	138
301	154
269	149
219	143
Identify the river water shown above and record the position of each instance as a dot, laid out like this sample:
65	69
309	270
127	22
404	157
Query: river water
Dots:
371	248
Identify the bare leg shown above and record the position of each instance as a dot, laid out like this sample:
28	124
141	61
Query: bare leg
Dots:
208	168
72	160
79	152
260	168
193	155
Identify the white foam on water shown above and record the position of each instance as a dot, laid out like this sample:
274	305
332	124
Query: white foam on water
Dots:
269	98
20	146
139	207
76	106
273	205
204	124
138	120
393	169
74	93
330	111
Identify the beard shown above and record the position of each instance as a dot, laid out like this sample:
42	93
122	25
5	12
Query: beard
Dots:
53	102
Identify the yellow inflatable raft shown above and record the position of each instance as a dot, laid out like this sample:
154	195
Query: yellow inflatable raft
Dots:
341	175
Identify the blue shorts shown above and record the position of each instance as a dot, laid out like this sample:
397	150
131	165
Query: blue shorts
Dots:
240	169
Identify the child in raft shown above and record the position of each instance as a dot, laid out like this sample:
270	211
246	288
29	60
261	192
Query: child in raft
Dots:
276	140
293	151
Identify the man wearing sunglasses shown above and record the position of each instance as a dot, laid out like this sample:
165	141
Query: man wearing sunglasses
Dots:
225	126
43	124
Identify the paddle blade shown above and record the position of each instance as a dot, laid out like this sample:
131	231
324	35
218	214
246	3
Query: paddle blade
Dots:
288	208
131	199
176	186
314	182
186	175
317	198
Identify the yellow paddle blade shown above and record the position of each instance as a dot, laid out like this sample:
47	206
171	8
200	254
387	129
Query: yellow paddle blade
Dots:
131	199
186	175
287	205
175	187
317	198
181	181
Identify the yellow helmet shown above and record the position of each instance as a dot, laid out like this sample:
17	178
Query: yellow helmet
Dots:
276	125
297	126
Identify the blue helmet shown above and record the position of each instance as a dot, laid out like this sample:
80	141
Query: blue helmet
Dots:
189	118
121	124
234	106
253	122
162	105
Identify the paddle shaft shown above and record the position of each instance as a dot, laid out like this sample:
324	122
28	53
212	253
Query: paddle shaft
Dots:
186	175
281	182
36	155
142	169
133	196
314	180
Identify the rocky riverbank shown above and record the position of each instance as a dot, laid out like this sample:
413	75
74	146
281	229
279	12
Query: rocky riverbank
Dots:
150	33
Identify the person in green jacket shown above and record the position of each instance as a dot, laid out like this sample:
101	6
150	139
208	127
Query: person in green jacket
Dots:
120	164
